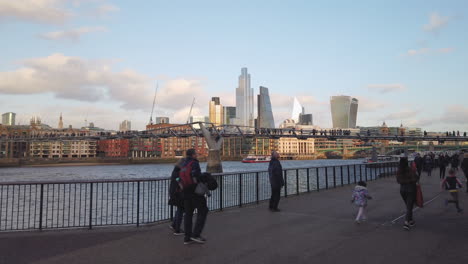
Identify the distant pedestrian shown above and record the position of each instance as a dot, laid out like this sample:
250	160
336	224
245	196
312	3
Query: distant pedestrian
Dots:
451	184
442	166
428	165
190	175
455	161
464	167
176	199
275	172
407	180
359	198
419	161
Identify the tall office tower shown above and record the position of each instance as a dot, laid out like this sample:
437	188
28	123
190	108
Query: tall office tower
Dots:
8	119
297	110
125	126
162	120
244	100
229	115
60	124
216	111
265	113
344	111
306	120
203	119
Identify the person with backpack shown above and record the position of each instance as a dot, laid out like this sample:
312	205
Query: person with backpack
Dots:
464	167
275	172
451	184
190	175
176	199
407	180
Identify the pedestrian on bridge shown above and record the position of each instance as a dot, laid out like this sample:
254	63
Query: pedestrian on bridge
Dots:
464	167
190	175
275	171
407	180
176	199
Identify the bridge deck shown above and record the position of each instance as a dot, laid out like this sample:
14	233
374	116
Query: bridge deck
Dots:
315	227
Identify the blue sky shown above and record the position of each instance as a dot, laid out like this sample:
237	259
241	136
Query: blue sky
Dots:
99	60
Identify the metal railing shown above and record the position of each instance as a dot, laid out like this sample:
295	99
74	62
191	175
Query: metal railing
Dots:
86	204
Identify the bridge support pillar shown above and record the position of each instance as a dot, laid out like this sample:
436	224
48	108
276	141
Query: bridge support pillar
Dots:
214	164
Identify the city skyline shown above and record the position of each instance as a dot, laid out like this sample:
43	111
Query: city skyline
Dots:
90	63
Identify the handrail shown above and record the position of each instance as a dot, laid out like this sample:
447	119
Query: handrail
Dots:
165	178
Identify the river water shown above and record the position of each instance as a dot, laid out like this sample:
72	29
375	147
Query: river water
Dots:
149	171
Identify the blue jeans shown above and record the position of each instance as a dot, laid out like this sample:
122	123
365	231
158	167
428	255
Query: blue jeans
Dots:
177	221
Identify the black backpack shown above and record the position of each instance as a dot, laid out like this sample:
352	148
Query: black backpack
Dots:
210	181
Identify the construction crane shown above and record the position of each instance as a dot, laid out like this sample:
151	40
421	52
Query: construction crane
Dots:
154	102
190	112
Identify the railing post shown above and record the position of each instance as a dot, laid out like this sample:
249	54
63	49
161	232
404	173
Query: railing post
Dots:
91	207
297	181
365	171
334	177
349	176
221	192
285	183
326	178
360	172
354	173
240	189
257	187
41	206
317	178
341	173
308	180
138	203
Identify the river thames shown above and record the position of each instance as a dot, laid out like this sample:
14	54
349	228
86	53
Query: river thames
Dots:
147	171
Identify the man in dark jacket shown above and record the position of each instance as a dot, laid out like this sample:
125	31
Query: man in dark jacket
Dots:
193	201
176	199
275	172
419	163
464	167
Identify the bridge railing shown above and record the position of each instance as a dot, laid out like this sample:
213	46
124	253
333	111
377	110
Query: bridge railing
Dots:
87	204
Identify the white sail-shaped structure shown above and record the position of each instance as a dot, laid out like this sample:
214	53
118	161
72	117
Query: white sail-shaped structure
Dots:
297	110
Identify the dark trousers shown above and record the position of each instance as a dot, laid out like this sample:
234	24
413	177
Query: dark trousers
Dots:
455	200
178	217
197	202
408	193
442	172
275	197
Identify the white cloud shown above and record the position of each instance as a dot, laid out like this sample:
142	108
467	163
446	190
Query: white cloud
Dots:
428	51
446	50
72	34
436	22
386	88
91	81
415	52
104	10
43	11
401	115
367	104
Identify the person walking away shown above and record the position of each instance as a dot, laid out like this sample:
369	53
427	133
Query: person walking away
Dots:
442	166
190	175
275	171
451	184
419	163
359	198
407	180
464	167
455	161
176	199
428	165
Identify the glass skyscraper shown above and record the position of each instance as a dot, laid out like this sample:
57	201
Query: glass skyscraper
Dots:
244	101
344	111
8	119
216	111
265	113
229	115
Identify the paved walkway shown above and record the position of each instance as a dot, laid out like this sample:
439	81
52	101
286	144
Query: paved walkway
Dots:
312	228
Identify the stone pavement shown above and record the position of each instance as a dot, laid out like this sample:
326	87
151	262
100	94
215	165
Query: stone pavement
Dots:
312	228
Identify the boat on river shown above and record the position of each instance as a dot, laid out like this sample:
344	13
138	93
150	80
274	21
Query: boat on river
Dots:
256	159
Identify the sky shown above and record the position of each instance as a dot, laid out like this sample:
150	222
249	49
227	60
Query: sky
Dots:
99	60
